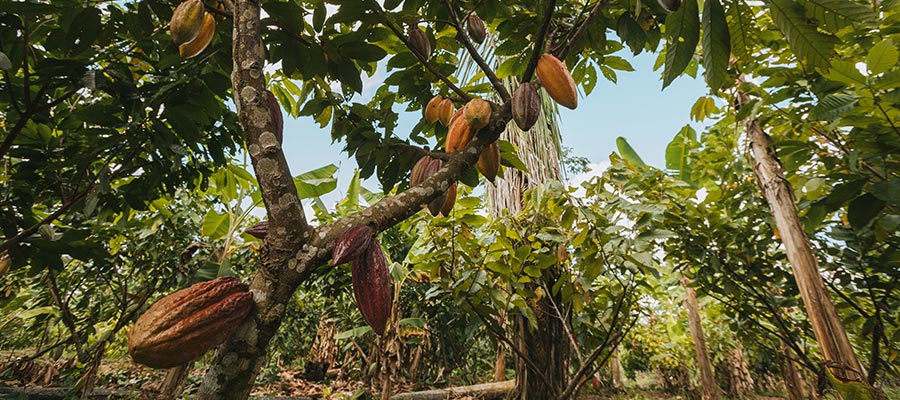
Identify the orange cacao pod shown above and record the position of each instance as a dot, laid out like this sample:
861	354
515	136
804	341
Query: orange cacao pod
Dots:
372	287
352	244
431	110
459	135
186	21
447	208
478	113
183	325
446	110
259	230
526	106
557	80
277	118
476	28
203	38
418	41
489	162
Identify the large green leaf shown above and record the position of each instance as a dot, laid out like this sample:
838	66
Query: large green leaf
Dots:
814	49
716	44
683	34
741	28
215	225
317	182
678	150
628	152
833	106
836	14
882	56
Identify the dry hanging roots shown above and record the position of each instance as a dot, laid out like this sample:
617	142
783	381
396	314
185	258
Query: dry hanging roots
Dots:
418	41
186	21
526	106
277	118
203	38
352	244
183	325
489	162
557	81
372	286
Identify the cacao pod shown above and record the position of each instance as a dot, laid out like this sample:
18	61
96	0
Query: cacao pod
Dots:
203	39
183	325
526	106
478	113
259	230
277	118
456	115
431	110
670	5
352	244
447	208
446	110
435	206
417	175
459	135
476	28
372	287
418	41
557	80
489	162
186	21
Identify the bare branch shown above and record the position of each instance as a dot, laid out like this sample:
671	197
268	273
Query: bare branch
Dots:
562	51
539	42
463	38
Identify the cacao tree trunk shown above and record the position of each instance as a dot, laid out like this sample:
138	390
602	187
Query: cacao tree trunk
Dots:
547	346
734	374
707	379
793	383
827	327
173	382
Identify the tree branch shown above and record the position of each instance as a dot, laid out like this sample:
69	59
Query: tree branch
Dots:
463	38
46	220
539	46
563	50
65	314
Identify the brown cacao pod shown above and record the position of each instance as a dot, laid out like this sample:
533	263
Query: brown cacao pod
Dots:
670	5
186	21
489	162
417	175
447	208
557	80
203	38
418	41
372	287
183	325
476	28
277	118
478	113
435	206
431	110
352	244
526	106
459	135
259	230
446	110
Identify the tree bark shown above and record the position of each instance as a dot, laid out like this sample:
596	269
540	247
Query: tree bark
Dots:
793	383
547	346
173	382
827	326
707	379
615	365
493	390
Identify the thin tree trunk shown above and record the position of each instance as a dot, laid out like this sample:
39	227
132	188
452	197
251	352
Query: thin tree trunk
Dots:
615	365
500	363
173	382
707	379
793	383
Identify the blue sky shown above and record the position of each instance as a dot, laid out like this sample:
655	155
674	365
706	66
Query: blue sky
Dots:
635	108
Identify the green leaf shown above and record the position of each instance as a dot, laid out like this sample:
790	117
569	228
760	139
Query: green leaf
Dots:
317	182
833	106
683	34
836	14
863	209
845	72
741	28
215	225
628	153
888	191
882	57
716	44
631	33
678	150
815	49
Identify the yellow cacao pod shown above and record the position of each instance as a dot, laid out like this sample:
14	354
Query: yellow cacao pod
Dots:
489	162
445	111
557	80
431	110
478	113
186	21
203	38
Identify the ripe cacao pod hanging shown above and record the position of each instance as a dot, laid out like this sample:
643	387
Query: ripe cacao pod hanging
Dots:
670	5
435	206
478	113
372	287
557	80
183	325
445	111
418	41
259	230
277	118
476	28
186	21
489	162
431	110
447	208
526	106
352	244
459	135
417	175
203	38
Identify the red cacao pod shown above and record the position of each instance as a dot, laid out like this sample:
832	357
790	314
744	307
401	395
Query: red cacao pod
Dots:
372	287
435	206
526	106
183	325
277	118
186	21
417	175
418	41
447	208
489	162
476	28
259	230
557	81
352	244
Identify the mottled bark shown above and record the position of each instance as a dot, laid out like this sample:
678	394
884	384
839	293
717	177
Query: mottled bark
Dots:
793	382
707	379
546	346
